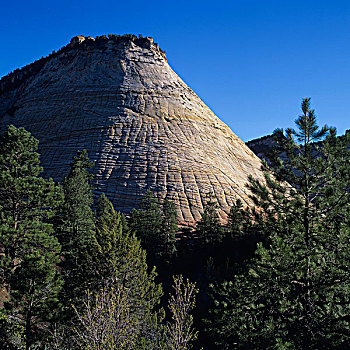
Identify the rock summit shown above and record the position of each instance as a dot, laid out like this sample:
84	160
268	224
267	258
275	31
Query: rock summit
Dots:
118	98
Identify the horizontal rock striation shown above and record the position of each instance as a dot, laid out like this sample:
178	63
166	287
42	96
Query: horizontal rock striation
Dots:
141	124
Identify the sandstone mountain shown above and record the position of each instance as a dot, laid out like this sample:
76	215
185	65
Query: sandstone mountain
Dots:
118	98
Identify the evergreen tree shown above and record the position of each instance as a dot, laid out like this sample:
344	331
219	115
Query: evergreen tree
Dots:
238	221
209	229
295	293
76	231
106	215
170	228
104	212
29	251
121	265
121	258
155	225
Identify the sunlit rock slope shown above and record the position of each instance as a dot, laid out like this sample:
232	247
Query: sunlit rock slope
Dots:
141	124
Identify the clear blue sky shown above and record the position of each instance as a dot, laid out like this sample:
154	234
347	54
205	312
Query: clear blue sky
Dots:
251	61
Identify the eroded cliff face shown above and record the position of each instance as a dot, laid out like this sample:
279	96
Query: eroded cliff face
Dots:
141	124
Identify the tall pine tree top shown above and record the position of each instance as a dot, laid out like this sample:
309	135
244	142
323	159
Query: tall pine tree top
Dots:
295	292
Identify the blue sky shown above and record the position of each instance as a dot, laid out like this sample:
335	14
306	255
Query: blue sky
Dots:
251	61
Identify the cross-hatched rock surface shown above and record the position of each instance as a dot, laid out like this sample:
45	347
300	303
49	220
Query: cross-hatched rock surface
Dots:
143	127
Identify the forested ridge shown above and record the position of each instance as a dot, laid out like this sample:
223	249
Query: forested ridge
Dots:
76	274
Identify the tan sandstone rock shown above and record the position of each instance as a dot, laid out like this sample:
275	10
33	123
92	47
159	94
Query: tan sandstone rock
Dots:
141	124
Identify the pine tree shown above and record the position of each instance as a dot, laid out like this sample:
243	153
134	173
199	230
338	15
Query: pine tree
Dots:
111	231
123	259
29	251
75	227
170	228
238	224
295	293
121	266
105	213
155	224
209	229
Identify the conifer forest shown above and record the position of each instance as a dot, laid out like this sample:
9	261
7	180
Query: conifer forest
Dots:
77	274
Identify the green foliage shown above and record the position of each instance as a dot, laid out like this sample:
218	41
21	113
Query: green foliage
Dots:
295	293
29	251
127	297
104	212
209	228
75	227
106	321
179	332
121	258
238	221
170	226
11	332
155	225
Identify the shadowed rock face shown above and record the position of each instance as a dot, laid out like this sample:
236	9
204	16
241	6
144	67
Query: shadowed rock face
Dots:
140	123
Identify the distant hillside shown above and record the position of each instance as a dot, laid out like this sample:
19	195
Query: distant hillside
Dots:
263	145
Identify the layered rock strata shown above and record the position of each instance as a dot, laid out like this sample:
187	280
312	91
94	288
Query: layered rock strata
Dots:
143	127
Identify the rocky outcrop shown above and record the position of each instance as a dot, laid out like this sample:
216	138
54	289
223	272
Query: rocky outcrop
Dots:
263	146
141	124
